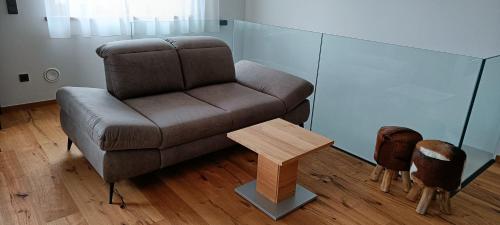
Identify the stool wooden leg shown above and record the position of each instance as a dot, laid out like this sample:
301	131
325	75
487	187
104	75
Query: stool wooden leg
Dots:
376	173
436	195
444	202
396	176
414	193
386	180
415	190
425	200
405	175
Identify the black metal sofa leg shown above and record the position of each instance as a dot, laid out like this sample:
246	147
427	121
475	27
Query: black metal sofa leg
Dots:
70	142
111	185
111	191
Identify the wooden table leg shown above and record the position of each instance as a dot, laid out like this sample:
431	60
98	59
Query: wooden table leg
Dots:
276	182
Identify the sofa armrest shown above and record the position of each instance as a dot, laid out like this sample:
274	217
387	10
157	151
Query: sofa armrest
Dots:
291	90
108	122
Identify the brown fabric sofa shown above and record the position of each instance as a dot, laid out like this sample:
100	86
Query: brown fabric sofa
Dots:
172	100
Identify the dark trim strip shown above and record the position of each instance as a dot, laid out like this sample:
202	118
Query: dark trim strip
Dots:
316	80
492	57
475	175
471	106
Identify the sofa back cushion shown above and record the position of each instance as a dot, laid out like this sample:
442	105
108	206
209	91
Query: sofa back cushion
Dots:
204	60
141	67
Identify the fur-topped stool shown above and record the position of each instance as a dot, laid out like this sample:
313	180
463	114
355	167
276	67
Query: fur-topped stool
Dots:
393	152
436	169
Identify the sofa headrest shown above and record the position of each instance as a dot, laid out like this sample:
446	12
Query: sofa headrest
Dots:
141	67
133	46
204	60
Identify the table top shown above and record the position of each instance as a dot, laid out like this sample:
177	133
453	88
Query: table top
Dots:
279	140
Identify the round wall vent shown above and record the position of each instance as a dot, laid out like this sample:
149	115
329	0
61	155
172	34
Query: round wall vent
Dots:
52	75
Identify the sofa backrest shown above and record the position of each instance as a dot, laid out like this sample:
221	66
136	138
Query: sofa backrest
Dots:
142	67
204	60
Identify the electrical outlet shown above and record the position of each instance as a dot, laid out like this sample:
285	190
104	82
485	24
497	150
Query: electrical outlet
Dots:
12	7
223	22
24	77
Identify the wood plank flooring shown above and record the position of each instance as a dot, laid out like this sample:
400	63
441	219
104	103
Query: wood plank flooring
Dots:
42	183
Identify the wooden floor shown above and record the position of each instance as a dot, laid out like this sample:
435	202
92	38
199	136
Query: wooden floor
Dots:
41	183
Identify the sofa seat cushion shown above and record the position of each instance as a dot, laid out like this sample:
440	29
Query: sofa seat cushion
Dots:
246	106
108	122
181	118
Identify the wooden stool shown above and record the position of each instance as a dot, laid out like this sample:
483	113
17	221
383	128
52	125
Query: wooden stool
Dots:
436	170
393	152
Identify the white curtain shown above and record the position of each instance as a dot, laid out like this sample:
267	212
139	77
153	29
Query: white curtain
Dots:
87	18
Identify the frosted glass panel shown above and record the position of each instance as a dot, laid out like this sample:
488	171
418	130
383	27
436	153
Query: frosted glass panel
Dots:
483	132
164	29
364	85
289	50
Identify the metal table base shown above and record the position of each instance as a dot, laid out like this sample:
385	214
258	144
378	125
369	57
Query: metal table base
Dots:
276	211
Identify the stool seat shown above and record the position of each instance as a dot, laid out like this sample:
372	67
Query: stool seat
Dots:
436	169
393	151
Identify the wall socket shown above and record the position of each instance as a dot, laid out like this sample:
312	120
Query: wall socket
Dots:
24	77
223	22
12	7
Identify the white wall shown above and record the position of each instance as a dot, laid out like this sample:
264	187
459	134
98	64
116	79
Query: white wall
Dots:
232	9
457	26
26	48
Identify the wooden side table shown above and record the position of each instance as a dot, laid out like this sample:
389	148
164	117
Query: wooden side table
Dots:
279	145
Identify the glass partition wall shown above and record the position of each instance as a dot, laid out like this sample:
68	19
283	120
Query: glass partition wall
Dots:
362	85
481	137
289	50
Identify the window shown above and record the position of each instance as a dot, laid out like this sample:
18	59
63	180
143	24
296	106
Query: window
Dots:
114	17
